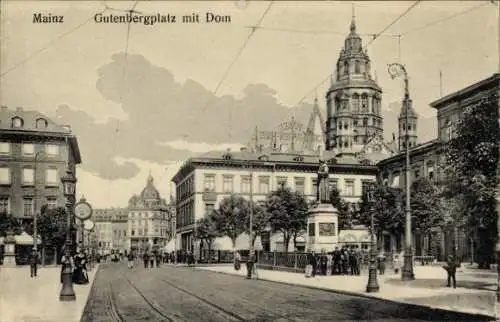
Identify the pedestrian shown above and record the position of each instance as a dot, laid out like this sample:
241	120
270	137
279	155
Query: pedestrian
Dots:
345	260
33	260
337	261
353	261
130	258
158	260
151	260
359	259
323	262
396	263
451	269
381	263
145	259
312	262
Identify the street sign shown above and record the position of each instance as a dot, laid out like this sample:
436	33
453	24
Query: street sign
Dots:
88	225
83	210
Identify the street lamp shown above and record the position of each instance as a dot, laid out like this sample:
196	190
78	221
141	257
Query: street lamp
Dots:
372	286
35	215
67	291
250	259
398	70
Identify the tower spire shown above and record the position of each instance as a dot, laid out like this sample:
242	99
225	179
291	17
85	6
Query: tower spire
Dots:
353	21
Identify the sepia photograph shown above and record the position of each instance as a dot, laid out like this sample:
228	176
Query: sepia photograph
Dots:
249	160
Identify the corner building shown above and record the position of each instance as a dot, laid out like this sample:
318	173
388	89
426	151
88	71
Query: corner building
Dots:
35	152
203	181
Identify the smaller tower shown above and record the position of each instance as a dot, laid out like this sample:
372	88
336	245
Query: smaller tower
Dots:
412	127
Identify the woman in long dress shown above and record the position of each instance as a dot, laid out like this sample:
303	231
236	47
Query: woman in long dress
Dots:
80	272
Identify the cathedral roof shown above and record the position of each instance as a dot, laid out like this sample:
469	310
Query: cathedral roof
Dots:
316	113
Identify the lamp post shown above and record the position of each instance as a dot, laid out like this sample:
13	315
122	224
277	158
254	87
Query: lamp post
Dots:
35	215
250	259
67	292
372	286
398	70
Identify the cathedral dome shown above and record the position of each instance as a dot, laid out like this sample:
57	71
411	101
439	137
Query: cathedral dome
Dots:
149	192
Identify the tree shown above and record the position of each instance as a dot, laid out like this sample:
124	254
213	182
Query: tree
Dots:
425	200
9	222
386	208
51	226
471	171
288	213
206	230
230	217
260	221
347	215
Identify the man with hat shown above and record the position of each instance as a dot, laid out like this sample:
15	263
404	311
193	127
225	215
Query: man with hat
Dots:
33	260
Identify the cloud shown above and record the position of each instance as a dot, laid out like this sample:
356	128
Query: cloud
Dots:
167	120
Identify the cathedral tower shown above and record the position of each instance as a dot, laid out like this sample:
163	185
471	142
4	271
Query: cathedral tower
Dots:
412	127
354	112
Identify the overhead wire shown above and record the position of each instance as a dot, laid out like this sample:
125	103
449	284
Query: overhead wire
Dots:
50	43
252	31
375	37
228	69
445	19
312	31
121	89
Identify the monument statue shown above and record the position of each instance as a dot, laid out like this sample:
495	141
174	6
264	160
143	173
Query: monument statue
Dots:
323	190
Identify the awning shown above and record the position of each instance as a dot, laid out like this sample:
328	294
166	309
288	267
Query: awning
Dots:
23	239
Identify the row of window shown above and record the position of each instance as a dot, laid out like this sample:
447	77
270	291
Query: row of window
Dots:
360	67
185	214
28	205
17	122
359	104
346	124
29	149
264	184
186	188
145	231
28	176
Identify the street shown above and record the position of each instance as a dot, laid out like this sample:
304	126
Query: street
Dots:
186	294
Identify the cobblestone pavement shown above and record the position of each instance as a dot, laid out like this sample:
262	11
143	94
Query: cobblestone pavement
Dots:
186	294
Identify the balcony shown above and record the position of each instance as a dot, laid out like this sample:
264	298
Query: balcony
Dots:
209	196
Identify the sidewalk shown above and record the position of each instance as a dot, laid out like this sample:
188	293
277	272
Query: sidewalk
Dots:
23	298
473	294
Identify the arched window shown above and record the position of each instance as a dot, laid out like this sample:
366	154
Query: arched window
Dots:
364	103
357	68
346	144
41	123
337	104
374	104
355	102
346	68
346	125
17	122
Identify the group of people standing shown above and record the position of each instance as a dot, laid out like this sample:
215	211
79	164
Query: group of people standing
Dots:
344	261
79	266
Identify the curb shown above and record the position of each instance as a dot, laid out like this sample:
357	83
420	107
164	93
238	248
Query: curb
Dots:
470	316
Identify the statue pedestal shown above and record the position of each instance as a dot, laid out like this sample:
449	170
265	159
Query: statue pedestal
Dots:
322	228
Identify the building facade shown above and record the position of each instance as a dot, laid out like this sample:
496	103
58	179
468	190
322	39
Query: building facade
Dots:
34	153
426	160
354	99
202	182
149	222
111	229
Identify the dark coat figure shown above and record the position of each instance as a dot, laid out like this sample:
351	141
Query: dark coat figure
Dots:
359	259
33	260
158	260
190	258
313	261
337	261
80	271
323	260
145	258
345	261
381	264
152	260
451	269
353	262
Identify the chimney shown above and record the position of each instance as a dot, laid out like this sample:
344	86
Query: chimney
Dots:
67	128
19	109
244	148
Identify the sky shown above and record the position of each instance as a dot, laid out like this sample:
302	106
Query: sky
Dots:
143	99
